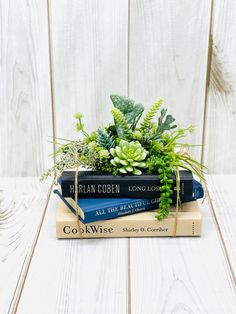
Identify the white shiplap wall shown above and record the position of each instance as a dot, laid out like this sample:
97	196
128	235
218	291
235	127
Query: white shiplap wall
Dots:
168	57
25	116
142	48
90	50
220	128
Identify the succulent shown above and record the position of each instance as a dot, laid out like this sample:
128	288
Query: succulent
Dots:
105	139
137	135
128	157
90	138
104	153
92	146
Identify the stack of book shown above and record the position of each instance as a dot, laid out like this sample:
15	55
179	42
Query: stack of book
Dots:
124	206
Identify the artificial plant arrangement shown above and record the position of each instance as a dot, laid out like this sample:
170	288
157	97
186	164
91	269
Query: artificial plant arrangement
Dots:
131	145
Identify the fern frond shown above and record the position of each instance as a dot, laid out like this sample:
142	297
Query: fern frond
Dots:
122	127
105	139
150	114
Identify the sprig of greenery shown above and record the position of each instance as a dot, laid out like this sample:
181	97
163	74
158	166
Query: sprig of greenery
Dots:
122	127
145	125
166	161
79	125
163	164
165	122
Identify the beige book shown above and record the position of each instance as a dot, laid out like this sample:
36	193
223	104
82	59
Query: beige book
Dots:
137	225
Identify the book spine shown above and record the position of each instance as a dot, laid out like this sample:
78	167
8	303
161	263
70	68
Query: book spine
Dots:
117	229
126	188
121	210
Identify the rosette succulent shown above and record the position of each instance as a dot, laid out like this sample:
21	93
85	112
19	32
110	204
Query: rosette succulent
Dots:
128	157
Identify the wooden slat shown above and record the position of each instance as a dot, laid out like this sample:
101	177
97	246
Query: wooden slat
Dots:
187	275
25	119
75	276
22	206
222	191
90	52
220	148
168	57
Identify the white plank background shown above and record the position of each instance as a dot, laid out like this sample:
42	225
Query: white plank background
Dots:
220	129
141	48
168	57
90	50
25	119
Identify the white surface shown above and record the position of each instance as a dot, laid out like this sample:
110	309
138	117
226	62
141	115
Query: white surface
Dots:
22	206
222	190
88	276
192	275
182	275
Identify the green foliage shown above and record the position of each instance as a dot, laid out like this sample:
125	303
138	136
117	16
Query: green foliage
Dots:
121	124
165	122
91	137
79	126
145	125
165	160
131	111
163	164
105	139
128	157
137	135
126	148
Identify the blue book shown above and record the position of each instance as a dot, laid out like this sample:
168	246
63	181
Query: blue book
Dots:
93	209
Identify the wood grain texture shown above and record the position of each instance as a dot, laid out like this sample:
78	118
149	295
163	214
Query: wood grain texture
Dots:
22	205
90	52
168	57
222	193
220	128
181	275
75	276
25	120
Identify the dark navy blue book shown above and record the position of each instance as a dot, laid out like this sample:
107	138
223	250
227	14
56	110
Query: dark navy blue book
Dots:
98	185
93	209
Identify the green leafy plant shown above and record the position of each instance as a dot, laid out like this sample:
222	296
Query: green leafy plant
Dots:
127	147
145	125
131	111
122	127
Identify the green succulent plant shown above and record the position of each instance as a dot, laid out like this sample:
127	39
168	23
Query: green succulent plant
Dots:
105	139
128	157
